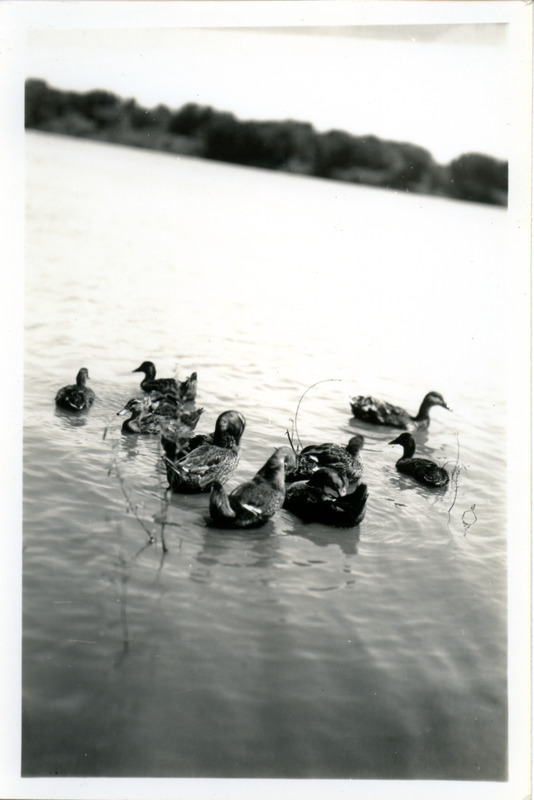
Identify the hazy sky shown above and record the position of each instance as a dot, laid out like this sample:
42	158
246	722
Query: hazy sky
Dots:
444	87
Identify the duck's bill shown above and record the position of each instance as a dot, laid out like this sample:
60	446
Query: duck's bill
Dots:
138	369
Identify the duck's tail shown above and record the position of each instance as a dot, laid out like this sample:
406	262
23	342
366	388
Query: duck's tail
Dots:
76	401
221	511
349	511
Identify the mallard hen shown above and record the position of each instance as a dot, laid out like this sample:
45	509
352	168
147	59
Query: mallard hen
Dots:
76	397
251	504
421	469
379	412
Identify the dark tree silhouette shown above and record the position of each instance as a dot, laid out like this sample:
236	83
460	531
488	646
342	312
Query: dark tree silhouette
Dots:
287	145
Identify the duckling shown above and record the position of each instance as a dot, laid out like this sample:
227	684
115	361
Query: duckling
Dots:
324	499
185	390
207	458
422	469
139	421
251	504
345	460
378	412
78	396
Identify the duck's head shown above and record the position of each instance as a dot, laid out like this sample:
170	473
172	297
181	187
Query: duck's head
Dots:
435	399
149	369
282	460
82	376
330	482
133	407
407	442
355	444
288	456
229	424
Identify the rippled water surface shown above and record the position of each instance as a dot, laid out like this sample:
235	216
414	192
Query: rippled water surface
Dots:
297	651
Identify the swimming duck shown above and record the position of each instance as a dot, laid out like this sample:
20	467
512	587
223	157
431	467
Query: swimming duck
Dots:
251	504
324	499
225	428
146	418
422	469
78	396
207	458
344	459
139	421
184	390
164	405
378	412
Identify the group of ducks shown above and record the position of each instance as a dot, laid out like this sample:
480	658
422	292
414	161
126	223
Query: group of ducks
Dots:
321	483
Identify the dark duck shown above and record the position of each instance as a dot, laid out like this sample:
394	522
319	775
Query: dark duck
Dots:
207	458
324	499
184	390
345	460
421	469
378	412
251	504
77	396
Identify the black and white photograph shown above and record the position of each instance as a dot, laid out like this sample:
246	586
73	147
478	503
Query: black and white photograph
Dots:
272	377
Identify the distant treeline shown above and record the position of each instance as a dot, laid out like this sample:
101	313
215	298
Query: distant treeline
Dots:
288	145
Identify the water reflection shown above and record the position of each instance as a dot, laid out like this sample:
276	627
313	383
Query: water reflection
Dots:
121	578
73	419
257	549
321	536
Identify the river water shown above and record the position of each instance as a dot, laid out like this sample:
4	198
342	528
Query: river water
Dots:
297	651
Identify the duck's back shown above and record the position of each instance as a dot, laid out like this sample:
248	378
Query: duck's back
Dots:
379	412
199	469
345	512
259	497
148	424
424	471
160	385
302	500
250	505
75	398
336	456
341	512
